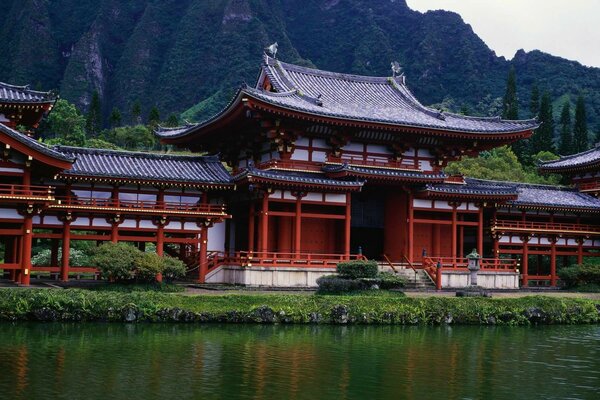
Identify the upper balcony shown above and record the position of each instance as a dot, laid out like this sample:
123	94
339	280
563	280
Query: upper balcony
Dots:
116	206
545	227
26	194
360	161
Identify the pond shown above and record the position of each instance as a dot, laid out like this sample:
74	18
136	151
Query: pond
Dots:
147	361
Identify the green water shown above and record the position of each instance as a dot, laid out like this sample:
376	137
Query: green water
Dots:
115	361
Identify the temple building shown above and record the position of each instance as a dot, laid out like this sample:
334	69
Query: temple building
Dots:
321	167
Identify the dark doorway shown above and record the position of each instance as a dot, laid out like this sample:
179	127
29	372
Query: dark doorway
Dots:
368	224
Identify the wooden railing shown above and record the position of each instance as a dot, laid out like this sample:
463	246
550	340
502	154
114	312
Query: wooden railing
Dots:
291	164
460	263
586	186
291	259
372	163
140	204
28	191
551	227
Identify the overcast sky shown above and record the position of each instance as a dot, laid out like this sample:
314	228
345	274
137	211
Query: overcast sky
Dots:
565	28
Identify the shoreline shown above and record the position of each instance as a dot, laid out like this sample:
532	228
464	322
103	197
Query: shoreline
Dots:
78	305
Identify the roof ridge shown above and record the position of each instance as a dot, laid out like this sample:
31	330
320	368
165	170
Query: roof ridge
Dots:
527	184
24	88
570	156
134	154
31	142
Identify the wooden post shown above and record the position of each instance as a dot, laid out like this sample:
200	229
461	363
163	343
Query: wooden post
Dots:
552	261
251	217
160	245
203	261
114	232
298	227
66	251
580	250
264	225
454	217
26	253
525	261
347	226
411	228
480	231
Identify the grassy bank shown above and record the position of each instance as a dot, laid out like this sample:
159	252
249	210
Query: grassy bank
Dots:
86	305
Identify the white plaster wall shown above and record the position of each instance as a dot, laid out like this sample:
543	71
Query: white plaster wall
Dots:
216	237
489	280
270	277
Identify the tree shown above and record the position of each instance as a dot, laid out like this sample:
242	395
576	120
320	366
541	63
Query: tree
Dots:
580	130
510	103
137	137
115	118
67	124
534	101
542	139
566	137
153	117
136	112
93	123
172	121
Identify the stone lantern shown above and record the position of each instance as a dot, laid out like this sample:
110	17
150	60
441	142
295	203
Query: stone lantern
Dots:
473	265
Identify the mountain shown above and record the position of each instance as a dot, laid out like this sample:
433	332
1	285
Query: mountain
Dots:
190	54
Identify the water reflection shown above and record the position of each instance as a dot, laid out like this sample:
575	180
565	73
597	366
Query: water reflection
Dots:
99	361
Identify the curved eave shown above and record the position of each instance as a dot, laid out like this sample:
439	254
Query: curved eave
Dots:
544	207
46	156
234	110
281	183
385	178
500	197
575	169
149	181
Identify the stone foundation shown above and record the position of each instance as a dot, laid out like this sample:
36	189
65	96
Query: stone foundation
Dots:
268	277
486	279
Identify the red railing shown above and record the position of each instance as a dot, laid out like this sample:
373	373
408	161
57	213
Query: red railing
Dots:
29	191
281	259
140	204
460	263
291	164
545	226
408	164
80	270
588	186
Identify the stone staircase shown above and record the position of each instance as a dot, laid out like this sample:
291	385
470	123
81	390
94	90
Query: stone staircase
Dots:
418	281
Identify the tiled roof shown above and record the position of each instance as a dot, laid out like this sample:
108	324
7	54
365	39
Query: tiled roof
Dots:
580	160
528	195
290	178
382	173
384	100
34	144
146	166
474	187
22	94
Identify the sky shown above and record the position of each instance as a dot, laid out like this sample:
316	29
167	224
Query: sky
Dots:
564	28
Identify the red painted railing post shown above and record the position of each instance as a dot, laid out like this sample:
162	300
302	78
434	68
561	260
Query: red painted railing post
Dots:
438	276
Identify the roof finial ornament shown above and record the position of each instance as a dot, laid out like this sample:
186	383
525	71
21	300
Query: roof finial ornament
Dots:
272	49
396	69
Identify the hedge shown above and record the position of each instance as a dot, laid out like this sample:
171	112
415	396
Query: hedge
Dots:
84	305
357	269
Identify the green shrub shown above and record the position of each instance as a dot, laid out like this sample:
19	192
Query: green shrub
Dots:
147	266
579	275
76	258
337	284
116	261
389	280
173	269
357	269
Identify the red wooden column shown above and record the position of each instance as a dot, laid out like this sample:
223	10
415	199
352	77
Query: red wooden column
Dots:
580	250
66	250
525	261
411	228
553	261
264	225
454	222
203	259
26	251
114	229
298	226
480	231
347	225
251	217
